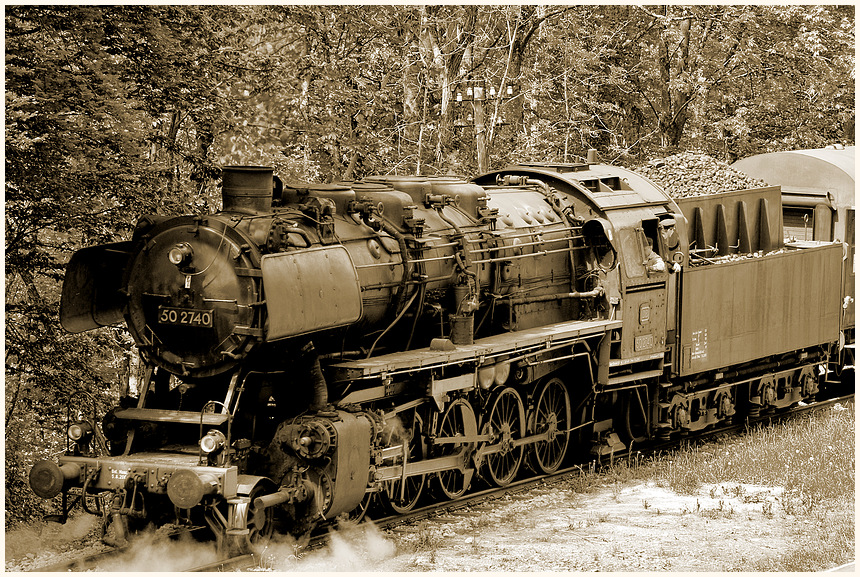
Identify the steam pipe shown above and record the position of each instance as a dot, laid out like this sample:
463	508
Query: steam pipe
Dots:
392	231
464	267
394	322
320	389
596	292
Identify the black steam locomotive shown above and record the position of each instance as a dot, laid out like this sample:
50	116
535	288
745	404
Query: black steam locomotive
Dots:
312	346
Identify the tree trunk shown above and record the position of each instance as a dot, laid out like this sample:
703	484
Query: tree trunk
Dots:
481	137
411	128
455	47
674	102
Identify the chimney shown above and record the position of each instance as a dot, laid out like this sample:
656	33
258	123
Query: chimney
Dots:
247	189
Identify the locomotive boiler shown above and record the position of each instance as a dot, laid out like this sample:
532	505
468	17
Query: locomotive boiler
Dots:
312	347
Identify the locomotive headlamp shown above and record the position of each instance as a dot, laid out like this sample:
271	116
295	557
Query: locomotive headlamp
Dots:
213	441
80	431
180	254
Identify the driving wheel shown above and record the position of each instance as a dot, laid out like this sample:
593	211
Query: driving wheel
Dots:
399	496
505	422
457	421
551	417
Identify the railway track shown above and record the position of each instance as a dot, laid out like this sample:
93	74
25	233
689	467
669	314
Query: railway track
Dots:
461	505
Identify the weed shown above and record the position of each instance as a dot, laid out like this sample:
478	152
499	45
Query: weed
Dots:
811	456
738	492
427	541
510	517
482	521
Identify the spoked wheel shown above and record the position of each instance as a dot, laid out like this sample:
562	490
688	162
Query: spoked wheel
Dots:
551	416
260	523
358	514
505	422
402	497
457	421
635	412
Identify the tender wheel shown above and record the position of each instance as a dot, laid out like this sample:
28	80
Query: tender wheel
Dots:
551	414
505	422
397	496
457	421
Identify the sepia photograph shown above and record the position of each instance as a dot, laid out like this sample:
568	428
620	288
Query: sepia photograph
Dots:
429	288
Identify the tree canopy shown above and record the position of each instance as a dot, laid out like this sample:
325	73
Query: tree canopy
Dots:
113	112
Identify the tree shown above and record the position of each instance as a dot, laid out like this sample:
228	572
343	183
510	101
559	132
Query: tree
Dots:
103	123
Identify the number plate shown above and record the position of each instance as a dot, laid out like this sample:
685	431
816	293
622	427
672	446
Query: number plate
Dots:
185	317
643	343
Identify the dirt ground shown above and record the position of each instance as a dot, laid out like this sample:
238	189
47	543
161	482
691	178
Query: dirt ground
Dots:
622	527
637	527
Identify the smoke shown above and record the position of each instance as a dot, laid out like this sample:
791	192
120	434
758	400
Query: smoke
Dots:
352	548
151	551
395	432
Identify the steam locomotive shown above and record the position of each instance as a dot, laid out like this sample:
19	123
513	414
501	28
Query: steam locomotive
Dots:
313	346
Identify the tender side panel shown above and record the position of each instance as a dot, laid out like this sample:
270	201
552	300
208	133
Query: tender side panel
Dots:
740	311
732	222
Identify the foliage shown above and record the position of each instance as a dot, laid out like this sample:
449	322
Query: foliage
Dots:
103	123
638	82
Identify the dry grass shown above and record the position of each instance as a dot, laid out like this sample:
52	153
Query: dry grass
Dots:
810	457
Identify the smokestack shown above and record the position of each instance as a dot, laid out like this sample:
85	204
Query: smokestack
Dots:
247	188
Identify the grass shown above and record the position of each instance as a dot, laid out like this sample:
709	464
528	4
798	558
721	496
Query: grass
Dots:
810	457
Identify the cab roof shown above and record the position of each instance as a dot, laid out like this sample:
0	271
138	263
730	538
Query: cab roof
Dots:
814	172
604	186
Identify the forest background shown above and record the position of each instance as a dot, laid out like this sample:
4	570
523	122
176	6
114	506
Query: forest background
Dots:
114	112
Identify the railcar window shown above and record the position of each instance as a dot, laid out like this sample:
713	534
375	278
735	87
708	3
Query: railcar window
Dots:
592	185
614	183
798	223
631	252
